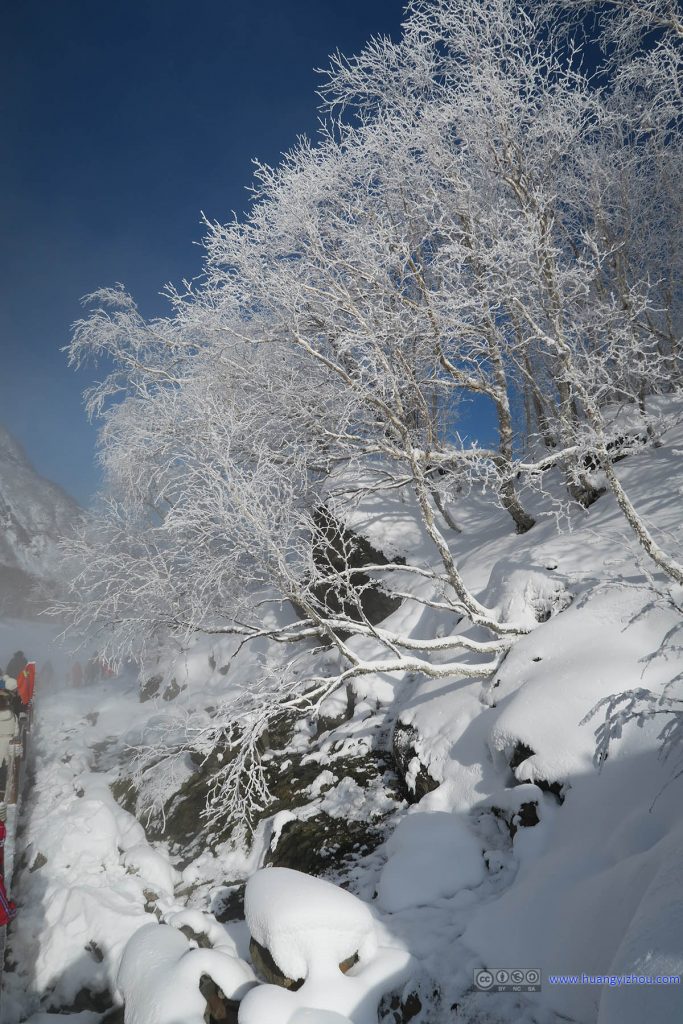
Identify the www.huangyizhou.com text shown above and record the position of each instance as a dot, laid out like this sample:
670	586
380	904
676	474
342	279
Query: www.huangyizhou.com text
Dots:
614	980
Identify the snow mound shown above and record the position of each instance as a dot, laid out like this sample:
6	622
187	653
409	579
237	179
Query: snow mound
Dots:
652	946
431	856
305	921
153	867
328	996
310	926
159	977
552	679
525	596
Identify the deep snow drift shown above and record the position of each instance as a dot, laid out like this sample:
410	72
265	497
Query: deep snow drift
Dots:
510	847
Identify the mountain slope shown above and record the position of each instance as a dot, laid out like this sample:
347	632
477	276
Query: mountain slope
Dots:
34	514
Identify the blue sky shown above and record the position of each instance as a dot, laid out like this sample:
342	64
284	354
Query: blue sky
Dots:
121	123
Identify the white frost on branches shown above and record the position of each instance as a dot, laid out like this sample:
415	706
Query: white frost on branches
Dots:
483	219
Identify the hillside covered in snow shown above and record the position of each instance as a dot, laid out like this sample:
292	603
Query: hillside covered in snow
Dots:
386	580
35	515
478	822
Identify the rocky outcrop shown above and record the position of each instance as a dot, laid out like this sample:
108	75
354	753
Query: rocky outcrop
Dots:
338	549
400	1009
268	970
413	773
521	753
322	844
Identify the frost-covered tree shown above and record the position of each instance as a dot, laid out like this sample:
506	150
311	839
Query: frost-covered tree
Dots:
484	218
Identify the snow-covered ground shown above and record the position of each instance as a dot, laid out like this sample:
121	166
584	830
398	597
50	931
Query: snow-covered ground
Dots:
524	853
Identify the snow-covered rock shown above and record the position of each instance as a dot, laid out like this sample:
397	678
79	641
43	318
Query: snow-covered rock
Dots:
309	927
304	921
160	973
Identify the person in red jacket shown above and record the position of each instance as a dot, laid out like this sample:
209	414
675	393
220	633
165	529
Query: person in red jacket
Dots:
8	908
26	682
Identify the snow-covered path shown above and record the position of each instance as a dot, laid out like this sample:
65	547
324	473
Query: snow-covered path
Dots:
86	876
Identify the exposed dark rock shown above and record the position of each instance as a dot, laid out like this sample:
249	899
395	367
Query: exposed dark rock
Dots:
619	448
327	723
229	904
85	999
116	1016
404	752
185	828
183	823
150	688
268	970
322	844
396	1009
100	751
125	794
218	1007
279	733
558	789
525	817
95	951
520	754
172	690
39	862
336	549
289	787
151	906
201	938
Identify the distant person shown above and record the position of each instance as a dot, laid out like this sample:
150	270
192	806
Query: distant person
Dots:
16	663
26	683
106	671
8	685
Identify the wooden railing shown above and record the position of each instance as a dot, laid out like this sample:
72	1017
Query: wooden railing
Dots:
16	766
9	808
